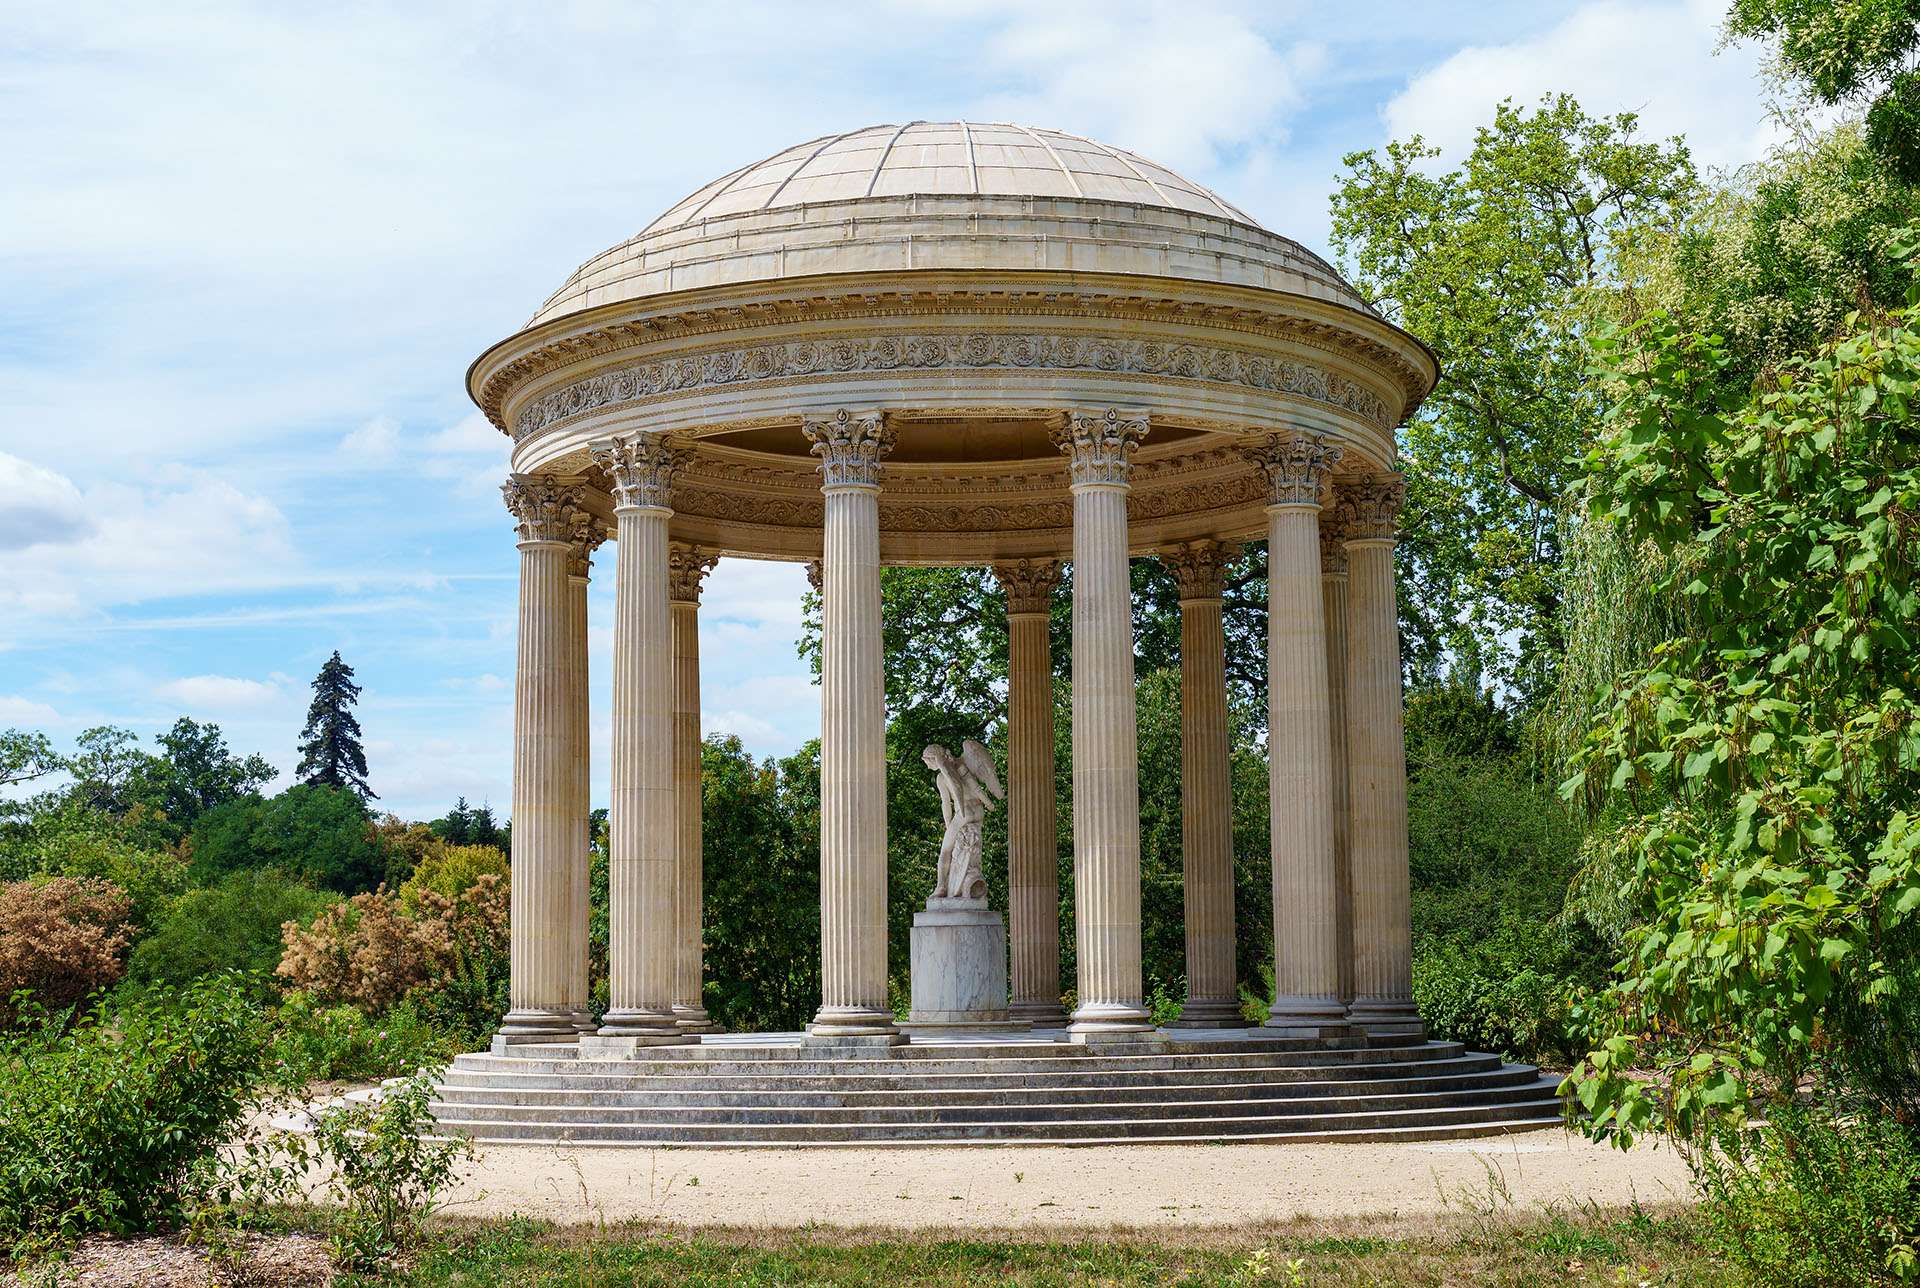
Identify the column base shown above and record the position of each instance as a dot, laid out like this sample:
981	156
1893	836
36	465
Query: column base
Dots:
651	1025
1041	1015
1308	1017
694	1019
583	1020
1209	1013
602	1046
1387	1017
853	1026
522	1026
1099	1023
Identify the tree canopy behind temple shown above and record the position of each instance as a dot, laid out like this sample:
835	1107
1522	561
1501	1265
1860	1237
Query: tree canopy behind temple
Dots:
330	751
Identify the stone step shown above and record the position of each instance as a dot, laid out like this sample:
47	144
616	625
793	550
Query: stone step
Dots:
507	1075
1022	1063
1029	1046
834	1115
506	1089
678	1129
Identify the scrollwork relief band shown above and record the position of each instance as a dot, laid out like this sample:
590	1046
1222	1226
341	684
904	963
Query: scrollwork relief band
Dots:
1200	567
979	350
1028	584
850	446
543	506
1371	505
640	469
1099	445
687	568
1297	466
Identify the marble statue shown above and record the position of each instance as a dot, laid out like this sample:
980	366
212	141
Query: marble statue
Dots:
968	789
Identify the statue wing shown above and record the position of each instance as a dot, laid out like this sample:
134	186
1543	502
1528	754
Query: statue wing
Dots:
980	761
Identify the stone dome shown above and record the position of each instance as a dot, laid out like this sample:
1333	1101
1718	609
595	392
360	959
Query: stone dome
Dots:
947	195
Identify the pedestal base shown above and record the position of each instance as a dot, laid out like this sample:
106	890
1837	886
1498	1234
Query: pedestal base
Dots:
1386	1017
1308	1017
602	1046
1209	1013
959	965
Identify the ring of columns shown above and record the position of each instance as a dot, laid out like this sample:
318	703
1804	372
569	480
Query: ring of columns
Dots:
963	345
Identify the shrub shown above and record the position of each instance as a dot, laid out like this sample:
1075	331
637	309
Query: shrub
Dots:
469	989
233	924
451	871
385	1170
1814	1198
104	1124
73	841
1511	993
315	1042
321	833
61	940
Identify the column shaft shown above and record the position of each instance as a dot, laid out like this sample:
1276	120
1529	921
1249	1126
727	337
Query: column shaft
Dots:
1106	751
1383	935
642	830
580	803
540	942
853	734
1033	825
688	567
1333	599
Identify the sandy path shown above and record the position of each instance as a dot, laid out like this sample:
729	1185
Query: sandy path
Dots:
1147	1186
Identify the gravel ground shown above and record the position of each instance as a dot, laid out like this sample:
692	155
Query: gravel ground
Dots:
1144	1187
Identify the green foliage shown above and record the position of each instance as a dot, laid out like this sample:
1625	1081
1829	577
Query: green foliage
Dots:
313	1042
320	834
470	825
1851	51
330	750
451	871
1812	1197
1497	265
386	1169
24	756
231	925
65	838
104	1123
195	772
1762	760
1512	991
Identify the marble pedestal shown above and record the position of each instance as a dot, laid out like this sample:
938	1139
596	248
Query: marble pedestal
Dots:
959	965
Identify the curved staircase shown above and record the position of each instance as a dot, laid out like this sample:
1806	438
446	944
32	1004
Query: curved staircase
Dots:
766	1090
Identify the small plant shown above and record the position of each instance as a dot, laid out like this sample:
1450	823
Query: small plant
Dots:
385	1169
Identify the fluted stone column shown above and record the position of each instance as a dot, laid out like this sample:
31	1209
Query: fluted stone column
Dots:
853	736
1306	940
541	1005
586	536
1333	600
1376	755
687	567
1033	829
1206	791
1106	752
642	828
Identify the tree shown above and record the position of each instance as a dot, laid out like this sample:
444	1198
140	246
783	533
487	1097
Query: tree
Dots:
233	924
321	834
1851	52
25	756
469	825
1498	265
330	751
1761	765
109	769
196	772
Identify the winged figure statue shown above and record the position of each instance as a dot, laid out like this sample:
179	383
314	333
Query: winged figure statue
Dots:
969	787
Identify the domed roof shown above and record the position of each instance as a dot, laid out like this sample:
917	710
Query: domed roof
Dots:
946	158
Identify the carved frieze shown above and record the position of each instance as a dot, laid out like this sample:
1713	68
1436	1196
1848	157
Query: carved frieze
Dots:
640	469
1099	445
941	351
1028	583
1297	466
543	506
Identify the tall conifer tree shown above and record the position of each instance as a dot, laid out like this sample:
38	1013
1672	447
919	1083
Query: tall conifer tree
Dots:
330	751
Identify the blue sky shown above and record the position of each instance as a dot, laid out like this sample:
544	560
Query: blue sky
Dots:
247	252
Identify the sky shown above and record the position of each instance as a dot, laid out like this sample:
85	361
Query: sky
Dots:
247	252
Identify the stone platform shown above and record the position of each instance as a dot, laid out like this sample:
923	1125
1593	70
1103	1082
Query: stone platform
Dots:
1193	1085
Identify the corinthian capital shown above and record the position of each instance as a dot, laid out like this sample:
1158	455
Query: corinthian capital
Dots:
1200	567
1100	445
545	507
1028	583
1371	504
1334	522
640	469
687	567
585	535
1296	466
850	446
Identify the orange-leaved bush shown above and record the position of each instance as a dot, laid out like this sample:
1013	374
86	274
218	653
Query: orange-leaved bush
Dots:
61	939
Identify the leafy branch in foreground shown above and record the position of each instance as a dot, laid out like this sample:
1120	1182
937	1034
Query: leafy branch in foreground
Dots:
1764	761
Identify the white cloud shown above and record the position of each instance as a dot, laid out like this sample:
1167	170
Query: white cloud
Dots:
38	506
374	443
1656	59
26	713
217	694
